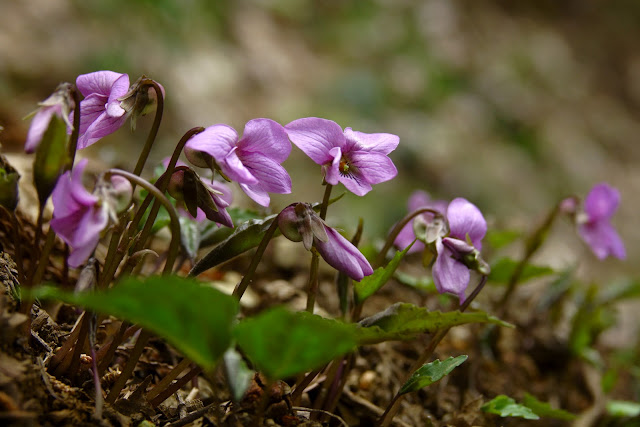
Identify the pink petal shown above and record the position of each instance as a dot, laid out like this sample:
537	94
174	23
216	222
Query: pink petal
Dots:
316	137
465	218
383	143
256	194
340	253
39	125
601	202
90	109
233	167
104	125
332	171
266	137
99	82
272	177
374	167
119	89
449	275
603	240
217	141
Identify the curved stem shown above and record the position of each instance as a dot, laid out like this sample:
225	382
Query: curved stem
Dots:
248	277
174	246
394	405
534	242
75	133
396	230
154	128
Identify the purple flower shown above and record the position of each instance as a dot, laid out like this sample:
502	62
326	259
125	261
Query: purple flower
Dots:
355	159
594	225
460	250
78	217
60	103
100	112
253	161
202	199
299	222
419	199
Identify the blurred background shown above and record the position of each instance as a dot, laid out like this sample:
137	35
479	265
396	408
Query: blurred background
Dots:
512	105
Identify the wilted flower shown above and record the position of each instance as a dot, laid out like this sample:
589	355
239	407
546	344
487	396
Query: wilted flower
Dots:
60	103
299	222
108	102
355	159
594	223
426	221
253	161
201	198
79	216
459	251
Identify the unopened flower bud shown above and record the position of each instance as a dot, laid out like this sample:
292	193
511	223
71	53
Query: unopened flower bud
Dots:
9	177
299	222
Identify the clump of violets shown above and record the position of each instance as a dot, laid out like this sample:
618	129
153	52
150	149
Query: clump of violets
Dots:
299	222
419	199
59	104
594	220
459	251
356	159
79	216
253	161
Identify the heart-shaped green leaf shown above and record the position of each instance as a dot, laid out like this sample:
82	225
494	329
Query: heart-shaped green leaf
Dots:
192	316
430	373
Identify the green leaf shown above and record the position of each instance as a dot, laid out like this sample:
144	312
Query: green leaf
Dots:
507	407
213	233
238	374
502	270
51	158
430	373
622	408
192	316
245	237
544	409
282	344
189	236
500	238
622	290
403	321
370	284
423	283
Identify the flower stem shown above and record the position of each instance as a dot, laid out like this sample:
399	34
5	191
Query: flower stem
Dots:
154	128
248	277
75	133
315	256
174	225
396	230
394	405
534	242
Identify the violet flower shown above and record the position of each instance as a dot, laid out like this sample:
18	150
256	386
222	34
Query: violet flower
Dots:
594	224
459	251
355	159
299	222
101	112
79	216
61	104
202	199
418	199
253	161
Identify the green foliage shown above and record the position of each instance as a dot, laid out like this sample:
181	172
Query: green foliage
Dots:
192	316
424	283
502	270
403	321
245	237
282	344
544	409
500	238
51	158
507	407
621	408
189	236
370	284
619	291
430	373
